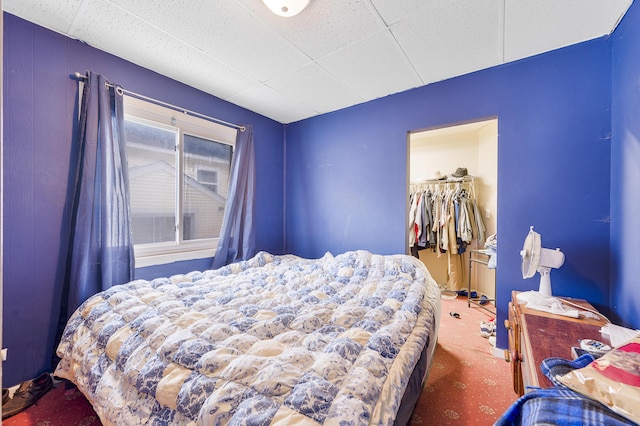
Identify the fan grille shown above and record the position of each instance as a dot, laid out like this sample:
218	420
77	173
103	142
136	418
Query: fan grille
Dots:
530	254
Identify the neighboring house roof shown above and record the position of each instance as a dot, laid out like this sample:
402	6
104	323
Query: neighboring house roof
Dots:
163	166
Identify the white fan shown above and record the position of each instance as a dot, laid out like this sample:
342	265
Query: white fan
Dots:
536	258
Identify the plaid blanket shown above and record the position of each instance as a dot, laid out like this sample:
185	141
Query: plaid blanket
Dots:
560	405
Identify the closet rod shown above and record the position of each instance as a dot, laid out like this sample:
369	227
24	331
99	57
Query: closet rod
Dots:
240	127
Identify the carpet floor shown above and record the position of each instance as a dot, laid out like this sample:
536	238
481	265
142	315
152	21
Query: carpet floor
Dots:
58	407
467	384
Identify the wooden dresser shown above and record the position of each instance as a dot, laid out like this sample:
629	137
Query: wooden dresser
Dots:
537	335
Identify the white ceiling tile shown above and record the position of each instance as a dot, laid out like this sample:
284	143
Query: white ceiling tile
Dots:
56	16
393	11
315	88
149	47
203	72
543	25
170	16
447	39
146	45
325	26
105	25
373	68
225	31
274	104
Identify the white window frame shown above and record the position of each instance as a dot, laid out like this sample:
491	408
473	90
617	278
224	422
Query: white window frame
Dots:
150	113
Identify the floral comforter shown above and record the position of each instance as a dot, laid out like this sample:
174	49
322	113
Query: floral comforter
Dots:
275	340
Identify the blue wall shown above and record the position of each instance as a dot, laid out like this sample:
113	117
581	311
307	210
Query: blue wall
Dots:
625	169
564	164
39	109
347	171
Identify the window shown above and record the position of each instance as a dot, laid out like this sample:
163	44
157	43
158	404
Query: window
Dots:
179	170
209	178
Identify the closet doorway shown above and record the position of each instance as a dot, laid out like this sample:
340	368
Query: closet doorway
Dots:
435	155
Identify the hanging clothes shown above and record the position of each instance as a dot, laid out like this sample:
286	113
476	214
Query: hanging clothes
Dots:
444	217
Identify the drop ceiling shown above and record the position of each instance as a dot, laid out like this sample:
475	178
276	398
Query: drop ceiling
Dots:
335	54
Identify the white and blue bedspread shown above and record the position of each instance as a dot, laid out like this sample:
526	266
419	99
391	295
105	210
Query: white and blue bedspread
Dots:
275	340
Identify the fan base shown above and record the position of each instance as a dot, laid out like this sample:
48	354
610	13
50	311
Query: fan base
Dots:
545	282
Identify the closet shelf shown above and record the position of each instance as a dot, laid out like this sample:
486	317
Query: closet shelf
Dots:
454	180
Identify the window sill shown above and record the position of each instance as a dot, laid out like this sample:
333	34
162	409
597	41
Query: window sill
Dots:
161	259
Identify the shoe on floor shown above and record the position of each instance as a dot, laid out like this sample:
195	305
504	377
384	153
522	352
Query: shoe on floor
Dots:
27	394
464	293
5	396
488	328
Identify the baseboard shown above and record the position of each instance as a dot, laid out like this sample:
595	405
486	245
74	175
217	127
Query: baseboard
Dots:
498	352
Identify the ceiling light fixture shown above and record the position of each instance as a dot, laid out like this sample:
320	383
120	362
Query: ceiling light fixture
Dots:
286	8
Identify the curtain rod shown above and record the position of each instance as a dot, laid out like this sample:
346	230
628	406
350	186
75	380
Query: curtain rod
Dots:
165	104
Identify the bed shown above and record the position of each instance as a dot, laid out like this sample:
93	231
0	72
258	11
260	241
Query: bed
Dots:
274	340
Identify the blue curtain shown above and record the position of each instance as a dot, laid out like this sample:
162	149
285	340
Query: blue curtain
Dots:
237	236
101	245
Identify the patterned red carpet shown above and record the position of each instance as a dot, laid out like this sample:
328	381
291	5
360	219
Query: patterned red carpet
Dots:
59	407
467	385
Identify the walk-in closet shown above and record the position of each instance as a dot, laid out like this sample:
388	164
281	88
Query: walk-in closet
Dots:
452	203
